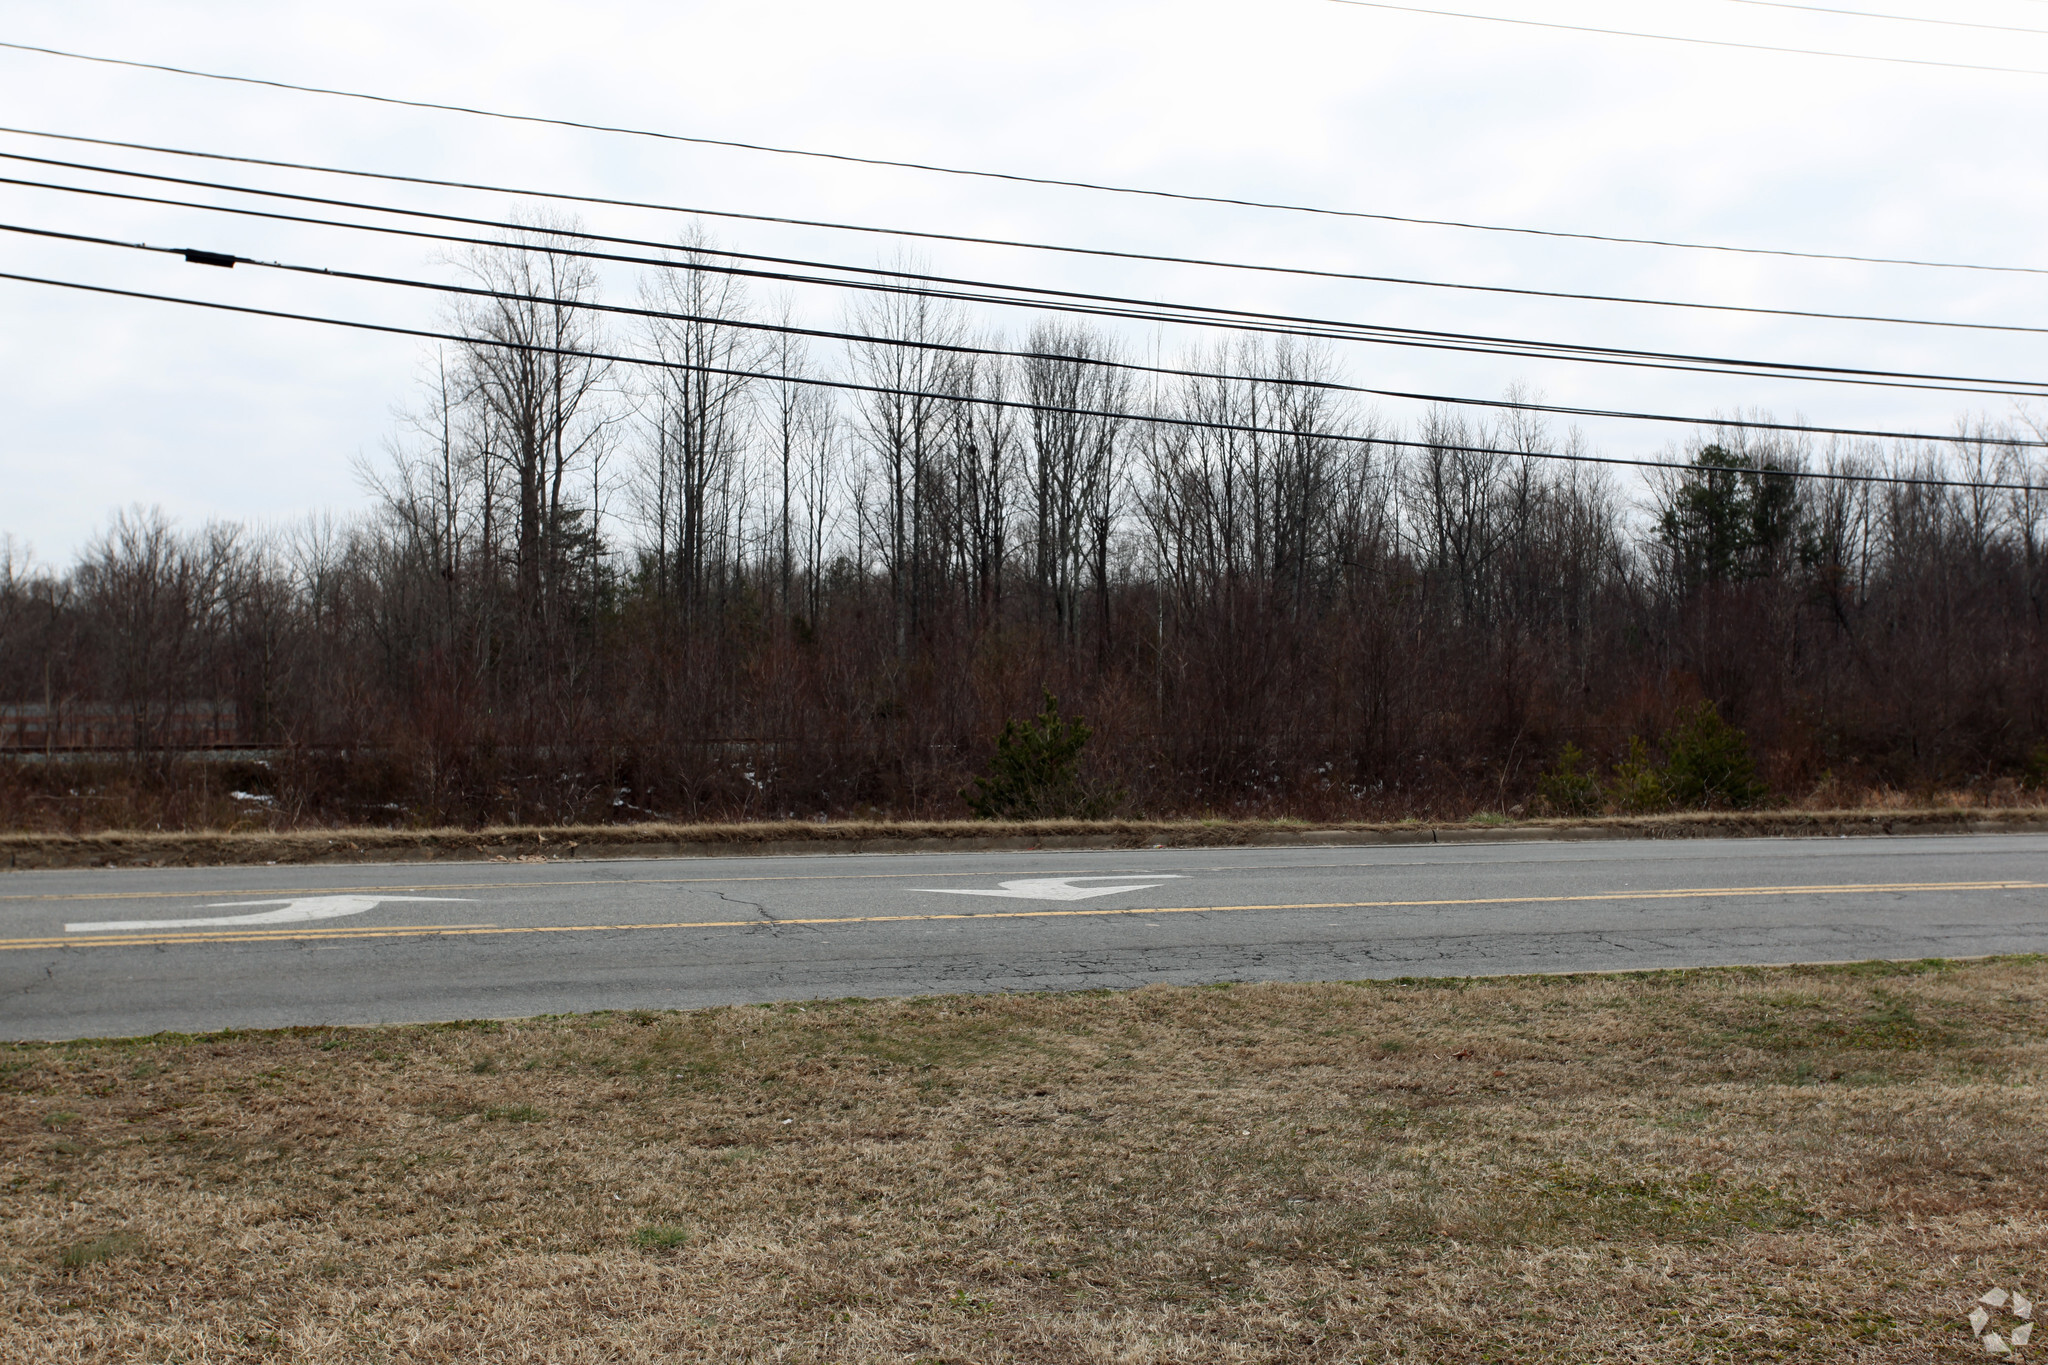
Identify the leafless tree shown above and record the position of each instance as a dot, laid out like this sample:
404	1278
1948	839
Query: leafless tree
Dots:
1074	465
801	428
161	602
538	400
980	472
902	417
700	413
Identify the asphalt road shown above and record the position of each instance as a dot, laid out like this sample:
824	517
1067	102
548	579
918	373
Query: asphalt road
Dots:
112	953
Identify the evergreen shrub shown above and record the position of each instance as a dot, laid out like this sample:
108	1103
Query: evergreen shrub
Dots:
1035	773
1638	785
1570	787
1708	762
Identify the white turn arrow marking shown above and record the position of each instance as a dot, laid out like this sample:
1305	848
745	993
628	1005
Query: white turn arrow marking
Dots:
1054	888
288	912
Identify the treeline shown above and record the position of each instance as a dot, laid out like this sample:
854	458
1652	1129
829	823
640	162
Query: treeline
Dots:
590	590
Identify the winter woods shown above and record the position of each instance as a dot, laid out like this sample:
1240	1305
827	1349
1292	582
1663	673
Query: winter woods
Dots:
768	573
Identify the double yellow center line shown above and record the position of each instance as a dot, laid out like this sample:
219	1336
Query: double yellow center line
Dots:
163	939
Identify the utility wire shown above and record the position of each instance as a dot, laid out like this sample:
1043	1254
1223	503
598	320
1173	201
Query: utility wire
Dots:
982	400
1895	18
990	241
1111	306
1509	290
1701	42
1014	178
961	348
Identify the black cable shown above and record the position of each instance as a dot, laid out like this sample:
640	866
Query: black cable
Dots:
1153	419
1108	306
1895	18
92	168
1701	42
958	348
1330	332
1013	178
1004	242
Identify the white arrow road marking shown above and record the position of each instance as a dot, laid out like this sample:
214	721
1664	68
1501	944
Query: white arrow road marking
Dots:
290	912
1054	888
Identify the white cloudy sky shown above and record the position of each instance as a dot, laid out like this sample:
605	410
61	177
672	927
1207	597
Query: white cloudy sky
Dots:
110	402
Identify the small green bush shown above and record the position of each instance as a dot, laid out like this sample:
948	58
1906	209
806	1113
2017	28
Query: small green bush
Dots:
100	1249
1709	762
1035	772
661	1238
514	1113
1570	787
1638	786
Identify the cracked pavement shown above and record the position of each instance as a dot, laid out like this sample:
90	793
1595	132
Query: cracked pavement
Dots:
510	940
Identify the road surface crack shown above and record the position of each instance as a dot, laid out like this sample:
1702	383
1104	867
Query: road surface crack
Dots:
754	906
768	920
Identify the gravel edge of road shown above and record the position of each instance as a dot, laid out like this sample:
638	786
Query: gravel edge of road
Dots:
32	852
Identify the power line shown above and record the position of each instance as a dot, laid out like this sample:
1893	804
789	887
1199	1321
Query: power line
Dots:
1700	42
1012	177
1895	18
959	348
1508	290
983	400
1109	306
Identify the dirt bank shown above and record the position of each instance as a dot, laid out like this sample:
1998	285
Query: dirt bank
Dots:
224	848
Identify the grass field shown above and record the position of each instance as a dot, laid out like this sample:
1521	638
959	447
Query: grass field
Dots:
1804	1164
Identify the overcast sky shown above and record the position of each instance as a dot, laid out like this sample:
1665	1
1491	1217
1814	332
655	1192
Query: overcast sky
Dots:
112	402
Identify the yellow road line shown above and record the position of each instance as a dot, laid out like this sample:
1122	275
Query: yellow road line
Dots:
1093	912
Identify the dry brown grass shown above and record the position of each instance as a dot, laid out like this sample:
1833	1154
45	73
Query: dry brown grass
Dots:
1725	1166
532	843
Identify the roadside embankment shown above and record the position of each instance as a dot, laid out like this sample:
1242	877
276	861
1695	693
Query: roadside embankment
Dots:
231	847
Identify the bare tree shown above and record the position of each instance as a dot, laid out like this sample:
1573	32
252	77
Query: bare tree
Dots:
430	488
1074	465
979	483
538	396
160	601
902	418
801	437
